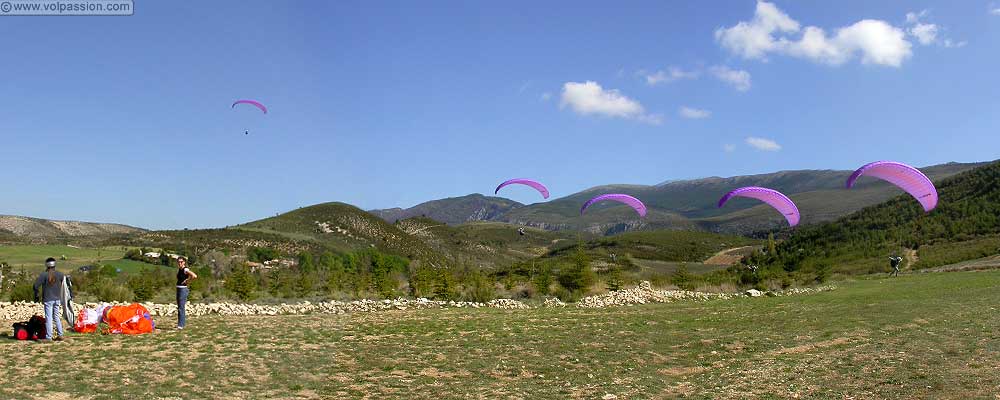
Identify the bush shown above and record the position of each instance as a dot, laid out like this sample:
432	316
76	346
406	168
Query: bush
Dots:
614	280
281	283
242	284
479	288
143	289
22	292
822	272
261	254
568	296
133	254
543	279
683	279
577	277
108	271
422	282
305	283
113	292
446	288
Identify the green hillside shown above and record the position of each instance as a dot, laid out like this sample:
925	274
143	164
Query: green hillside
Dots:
676	246
454	210
688	204
342	227
485	244
965	225
691	204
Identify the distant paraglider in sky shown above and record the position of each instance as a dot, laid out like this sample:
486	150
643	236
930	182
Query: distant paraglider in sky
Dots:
910	179
254	103
772	197
621	198
521	181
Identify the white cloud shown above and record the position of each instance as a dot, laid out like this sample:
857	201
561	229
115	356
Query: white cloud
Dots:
588	98
728	148
669	75
873	41
994	9
912	17
763	144
928	33
739	79
925	33
754	39
948	43
652	119
694	113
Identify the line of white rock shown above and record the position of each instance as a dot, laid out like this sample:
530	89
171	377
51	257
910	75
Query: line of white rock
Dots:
644	293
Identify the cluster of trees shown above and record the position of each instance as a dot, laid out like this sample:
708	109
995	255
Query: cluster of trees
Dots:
138	254
363	274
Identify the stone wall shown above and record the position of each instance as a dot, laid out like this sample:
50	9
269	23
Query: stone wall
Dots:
642	294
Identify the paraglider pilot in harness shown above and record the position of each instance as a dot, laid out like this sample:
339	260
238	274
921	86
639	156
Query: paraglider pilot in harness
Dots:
894	262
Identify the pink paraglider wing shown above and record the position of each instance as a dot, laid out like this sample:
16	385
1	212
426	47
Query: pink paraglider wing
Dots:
772	197
621	198
521	181
910	179
254	103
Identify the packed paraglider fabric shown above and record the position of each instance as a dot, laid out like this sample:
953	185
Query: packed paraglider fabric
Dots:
621	198
66	299
132	319
771	197
87	320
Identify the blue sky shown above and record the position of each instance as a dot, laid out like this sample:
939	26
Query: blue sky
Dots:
385	104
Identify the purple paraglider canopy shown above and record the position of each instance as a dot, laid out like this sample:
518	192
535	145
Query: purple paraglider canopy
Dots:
621	198
772	197
905	177
254	103
521	181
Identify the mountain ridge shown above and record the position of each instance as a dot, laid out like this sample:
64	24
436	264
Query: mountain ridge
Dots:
688	204
41	228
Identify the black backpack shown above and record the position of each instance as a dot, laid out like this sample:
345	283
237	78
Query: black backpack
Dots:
34	329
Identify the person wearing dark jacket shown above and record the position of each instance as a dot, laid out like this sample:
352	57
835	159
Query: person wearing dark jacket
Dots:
894	262
184	277
49	283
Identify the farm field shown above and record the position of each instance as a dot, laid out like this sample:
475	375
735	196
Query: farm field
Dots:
32	257
931	335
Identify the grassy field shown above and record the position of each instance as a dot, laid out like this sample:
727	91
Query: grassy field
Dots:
32	257
130	266
916	336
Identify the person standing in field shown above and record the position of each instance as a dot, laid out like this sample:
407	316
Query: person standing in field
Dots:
184	277
50	284
894	262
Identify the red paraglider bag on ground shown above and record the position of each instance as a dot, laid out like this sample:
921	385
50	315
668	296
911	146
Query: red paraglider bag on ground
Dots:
33	329
21	331
129	320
